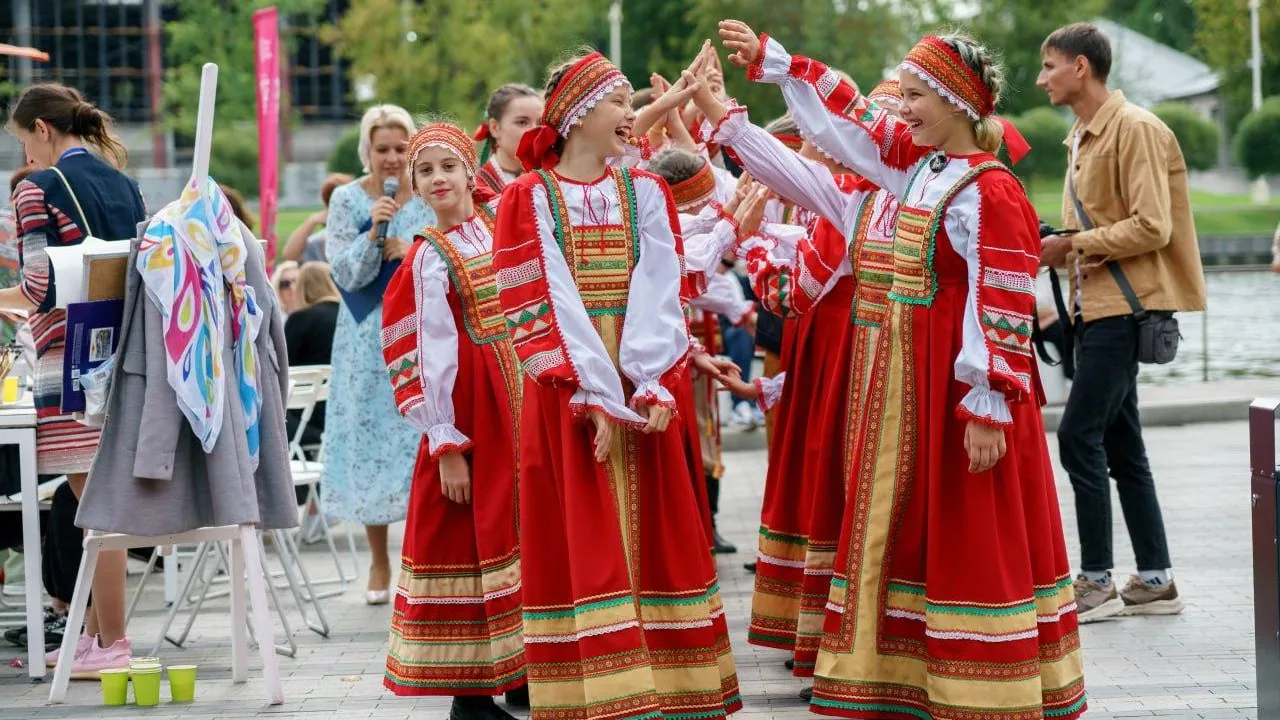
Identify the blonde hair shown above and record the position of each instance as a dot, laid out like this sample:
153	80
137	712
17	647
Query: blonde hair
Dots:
988	133
315	284
279	272
376	118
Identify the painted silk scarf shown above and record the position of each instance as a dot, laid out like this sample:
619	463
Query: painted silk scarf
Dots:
192	262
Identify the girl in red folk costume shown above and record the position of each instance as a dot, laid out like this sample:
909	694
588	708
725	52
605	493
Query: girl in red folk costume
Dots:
789	605
865	216
513	109
955	597
456	626
811	280
621	619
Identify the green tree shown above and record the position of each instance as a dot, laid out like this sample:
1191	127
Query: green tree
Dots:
345	156
1198	137
1016	29
1222	37
1044	128
438	57
1258	140
1172	22
864	39
220	32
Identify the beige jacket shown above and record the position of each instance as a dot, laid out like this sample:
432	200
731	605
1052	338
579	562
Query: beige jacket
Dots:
1131	178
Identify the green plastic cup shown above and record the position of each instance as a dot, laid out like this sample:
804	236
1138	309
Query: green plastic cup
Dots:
146	686
182	683
115	686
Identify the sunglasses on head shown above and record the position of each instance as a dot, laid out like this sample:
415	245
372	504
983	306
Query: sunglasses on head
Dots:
286	284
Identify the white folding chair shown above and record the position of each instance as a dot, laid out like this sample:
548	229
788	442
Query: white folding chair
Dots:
309	386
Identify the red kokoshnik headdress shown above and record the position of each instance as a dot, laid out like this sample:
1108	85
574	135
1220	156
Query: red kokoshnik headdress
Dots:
939	65
455	140
584	84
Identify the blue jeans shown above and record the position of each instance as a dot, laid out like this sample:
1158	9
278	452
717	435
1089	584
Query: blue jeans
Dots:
740	346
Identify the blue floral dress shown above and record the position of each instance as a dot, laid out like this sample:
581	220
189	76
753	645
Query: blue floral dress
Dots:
369	450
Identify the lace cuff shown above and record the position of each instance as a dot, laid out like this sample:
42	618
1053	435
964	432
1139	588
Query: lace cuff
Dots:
584	401
770	390
773	64
445	438
986	406
651	392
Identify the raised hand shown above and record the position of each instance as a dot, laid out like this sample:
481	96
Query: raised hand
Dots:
740	193
742	40
751	212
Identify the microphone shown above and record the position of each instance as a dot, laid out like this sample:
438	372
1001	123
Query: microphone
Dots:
390	187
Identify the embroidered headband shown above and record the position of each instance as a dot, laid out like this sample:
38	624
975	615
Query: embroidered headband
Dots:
447	136
887	89
698	189
938	64
583	85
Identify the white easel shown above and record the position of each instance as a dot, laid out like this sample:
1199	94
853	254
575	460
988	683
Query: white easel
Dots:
246	550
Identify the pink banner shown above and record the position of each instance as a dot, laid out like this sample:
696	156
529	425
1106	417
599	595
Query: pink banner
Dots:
266	50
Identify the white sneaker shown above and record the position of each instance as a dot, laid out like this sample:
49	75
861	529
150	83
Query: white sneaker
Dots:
742	416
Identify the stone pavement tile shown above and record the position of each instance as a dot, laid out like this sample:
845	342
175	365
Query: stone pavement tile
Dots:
1198	664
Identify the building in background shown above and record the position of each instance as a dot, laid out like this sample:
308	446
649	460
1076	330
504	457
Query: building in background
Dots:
113	52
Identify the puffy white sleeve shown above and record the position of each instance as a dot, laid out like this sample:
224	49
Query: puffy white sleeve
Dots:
437	356
655	338
599	386
703	251
804	182
996	359
838	119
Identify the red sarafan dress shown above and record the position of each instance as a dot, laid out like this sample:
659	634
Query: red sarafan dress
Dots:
623	617
456	627
812	281
806	486
952	596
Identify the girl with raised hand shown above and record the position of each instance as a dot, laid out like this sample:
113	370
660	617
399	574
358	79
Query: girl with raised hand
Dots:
821	280
456	626
623	617
953	594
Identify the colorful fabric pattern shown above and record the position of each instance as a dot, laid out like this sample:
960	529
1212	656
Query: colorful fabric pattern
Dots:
695	191
939	65
192	259
447	136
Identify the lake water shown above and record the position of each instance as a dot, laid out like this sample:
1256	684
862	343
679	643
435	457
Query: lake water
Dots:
1237	337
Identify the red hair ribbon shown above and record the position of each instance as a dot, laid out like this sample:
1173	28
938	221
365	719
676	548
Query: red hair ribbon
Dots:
537	148
1013	140
482	133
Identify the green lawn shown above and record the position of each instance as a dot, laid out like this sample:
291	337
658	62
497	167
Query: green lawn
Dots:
1215	214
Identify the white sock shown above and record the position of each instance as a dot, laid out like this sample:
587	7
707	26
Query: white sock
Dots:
1156	577
1102	577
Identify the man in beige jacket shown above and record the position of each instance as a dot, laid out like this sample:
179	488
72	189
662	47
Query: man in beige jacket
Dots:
1130	178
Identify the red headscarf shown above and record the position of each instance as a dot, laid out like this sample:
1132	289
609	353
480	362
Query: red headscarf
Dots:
451	138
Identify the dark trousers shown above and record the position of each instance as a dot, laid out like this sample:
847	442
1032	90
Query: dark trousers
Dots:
1100	437
63	545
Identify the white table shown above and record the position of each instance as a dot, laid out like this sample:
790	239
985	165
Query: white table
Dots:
18	427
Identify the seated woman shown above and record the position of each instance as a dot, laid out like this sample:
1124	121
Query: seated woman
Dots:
308	333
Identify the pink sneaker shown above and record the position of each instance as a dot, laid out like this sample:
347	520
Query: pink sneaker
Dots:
82	646
96	658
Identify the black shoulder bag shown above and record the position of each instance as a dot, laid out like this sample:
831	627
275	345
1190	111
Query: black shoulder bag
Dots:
1158	334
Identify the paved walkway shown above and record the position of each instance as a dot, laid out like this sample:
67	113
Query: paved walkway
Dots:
1197	665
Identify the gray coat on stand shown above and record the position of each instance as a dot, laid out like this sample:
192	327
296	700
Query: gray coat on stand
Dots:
151	476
